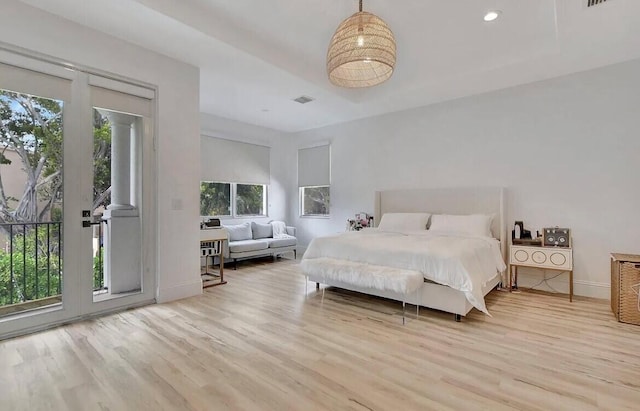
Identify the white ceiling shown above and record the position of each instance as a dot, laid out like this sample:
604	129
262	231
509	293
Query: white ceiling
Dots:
256	56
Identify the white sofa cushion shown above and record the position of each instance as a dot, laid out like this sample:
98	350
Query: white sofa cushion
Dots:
281	242
261	230
239	232
248	245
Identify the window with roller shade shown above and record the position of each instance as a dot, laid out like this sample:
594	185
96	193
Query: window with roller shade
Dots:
235	178
314	181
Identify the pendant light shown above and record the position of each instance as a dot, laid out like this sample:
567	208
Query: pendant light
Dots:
362	52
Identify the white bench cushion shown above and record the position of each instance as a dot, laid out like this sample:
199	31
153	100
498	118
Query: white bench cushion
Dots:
363	275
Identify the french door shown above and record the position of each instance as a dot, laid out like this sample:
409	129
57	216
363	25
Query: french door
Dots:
76	187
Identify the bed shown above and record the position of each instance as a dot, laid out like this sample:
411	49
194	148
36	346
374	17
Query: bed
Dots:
457	270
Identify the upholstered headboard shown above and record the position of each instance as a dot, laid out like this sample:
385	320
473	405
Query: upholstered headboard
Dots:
455	200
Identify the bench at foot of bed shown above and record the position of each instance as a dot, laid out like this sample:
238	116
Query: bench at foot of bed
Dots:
360	275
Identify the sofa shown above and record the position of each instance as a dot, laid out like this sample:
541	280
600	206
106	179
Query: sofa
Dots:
251	239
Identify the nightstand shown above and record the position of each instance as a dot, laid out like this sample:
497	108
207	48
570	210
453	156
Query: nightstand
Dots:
548	258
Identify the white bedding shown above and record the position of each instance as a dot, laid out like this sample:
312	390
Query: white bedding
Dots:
464	263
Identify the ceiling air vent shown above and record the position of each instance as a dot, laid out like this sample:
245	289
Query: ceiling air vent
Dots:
591	3
303	99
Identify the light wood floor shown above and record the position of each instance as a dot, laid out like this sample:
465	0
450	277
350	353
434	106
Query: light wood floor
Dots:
257	344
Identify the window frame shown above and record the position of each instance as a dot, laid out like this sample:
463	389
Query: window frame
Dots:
301	203
234	201
233	192
230	199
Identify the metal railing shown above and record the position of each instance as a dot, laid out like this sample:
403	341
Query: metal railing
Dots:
31	263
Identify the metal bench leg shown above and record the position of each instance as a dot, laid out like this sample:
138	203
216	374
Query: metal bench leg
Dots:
403	306
317	286
458	317
295	254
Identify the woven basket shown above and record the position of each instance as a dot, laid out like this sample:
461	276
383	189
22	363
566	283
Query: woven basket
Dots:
629	308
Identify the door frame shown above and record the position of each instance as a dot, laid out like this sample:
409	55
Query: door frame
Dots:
77	282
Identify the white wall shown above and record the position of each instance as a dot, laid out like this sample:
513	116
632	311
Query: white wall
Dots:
567	149
233	130
178	127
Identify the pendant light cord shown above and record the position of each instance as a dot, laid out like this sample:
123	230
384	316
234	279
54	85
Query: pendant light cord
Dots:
360	5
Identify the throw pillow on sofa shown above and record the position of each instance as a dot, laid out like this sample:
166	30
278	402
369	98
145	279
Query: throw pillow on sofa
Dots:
239	232
261	230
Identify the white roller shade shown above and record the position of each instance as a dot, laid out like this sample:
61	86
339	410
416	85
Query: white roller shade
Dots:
234	162
314	166
38	84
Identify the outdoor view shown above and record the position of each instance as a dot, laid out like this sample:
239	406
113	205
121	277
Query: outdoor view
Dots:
215	199
31	135
315	200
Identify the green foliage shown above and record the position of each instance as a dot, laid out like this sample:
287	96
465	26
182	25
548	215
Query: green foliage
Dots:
32	126
101	158
44	282
249	199
316	200
98	270
215	199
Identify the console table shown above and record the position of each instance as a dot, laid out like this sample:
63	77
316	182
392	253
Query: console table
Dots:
212	246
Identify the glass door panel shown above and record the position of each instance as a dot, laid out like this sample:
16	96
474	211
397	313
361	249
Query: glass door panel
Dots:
31	205
116	221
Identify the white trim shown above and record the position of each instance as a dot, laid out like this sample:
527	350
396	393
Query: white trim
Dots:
255	142
320	143
123	87
71	66
179	291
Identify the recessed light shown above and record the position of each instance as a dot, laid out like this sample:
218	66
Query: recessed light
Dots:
492	15
265	110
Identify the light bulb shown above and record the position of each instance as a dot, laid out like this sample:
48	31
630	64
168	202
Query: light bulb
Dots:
360	41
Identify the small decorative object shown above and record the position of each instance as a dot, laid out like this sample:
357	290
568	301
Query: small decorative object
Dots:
362	52
556	237
518	229
361	221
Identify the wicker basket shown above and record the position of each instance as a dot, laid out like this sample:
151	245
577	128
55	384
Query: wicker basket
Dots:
625	285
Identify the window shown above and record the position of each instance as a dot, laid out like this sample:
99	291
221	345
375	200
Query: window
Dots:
219	199
215	199
314	201
314	179
251	199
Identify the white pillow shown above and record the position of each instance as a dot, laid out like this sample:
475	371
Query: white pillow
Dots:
404	221
239	232
474	224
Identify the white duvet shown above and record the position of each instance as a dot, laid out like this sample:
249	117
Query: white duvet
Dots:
464	263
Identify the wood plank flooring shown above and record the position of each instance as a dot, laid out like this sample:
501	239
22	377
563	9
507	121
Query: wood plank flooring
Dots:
257	344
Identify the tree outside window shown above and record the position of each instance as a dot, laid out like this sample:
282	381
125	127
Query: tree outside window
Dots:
315	200
215	199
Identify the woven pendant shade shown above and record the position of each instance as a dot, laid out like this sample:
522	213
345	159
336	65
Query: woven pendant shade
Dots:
362	52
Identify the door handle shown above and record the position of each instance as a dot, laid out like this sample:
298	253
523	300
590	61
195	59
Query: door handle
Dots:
89	223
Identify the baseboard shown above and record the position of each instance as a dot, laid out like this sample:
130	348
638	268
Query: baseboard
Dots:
561	284
179	291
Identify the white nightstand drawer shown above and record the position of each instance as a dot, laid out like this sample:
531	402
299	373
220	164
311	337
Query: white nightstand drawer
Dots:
542	257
